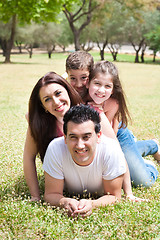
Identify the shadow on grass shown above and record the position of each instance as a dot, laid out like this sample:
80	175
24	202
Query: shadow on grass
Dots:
25	63
146	62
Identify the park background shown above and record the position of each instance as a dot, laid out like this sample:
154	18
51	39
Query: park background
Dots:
20	218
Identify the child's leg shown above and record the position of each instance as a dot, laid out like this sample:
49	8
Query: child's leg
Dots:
147	147
141	174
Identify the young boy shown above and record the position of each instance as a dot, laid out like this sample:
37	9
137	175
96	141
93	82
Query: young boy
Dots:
78	67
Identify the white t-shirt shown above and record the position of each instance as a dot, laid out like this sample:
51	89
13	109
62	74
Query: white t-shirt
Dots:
108	163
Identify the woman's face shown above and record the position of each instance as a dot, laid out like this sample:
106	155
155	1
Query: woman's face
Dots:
55	99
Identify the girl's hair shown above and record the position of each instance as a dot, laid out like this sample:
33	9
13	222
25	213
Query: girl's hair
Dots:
107	67
43	124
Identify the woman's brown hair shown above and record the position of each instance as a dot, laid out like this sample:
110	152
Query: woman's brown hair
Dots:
42	124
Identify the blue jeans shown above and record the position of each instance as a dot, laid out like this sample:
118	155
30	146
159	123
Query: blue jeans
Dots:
142	174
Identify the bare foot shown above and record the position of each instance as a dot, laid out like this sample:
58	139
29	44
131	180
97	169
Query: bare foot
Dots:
157	154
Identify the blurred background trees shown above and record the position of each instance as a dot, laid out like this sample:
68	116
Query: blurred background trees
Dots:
107	24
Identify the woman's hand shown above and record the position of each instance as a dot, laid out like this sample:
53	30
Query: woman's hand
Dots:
132	198
35	199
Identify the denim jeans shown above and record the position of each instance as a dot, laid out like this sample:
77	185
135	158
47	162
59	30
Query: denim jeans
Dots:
142	174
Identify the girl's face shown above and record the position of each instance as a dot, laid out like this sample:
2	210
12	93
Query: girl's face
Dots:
101	87
55	99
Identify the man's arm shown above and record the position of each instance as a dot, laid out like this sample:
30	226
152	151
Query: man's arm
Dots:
112	193
54	194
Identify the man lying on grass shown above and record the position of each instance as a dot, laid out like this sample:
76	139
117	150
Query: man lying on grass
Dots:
83	161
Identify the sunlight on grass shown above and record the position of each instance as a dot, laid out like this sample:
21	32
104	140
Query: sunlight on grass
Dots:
21	219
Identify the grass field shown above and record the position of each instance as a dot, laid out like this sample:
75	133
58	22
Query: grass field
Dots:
22	219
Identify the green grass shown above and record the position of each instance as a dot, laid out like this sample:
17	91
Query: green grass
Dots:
22	219
125	58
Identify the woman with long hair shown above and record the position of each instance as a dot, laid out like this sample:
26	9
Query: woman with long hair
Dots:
51	98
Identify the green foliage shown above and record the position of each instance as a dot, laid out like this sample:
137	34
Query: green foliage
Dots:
22	219
27	10
154	39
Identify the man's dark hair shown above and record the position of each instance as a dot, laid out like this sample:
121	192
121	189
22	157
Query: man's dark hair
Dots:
82	113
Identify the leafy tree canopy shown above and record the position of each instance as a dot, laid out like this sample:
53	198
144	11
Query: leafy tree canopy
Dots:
36	10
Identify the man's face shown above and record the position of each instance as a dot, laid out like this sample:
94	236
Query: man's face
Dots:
78	79
81	140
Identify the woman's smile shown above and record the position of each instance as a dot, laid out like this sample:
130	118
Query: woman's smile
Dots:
60	108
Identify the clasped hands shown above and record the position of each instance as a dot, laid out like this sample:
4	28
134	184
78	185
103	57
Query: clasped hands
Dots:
83	207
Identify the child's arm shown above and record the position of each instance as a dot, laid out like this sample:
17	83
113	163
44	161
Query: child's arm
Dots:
115	124
110	107
106	127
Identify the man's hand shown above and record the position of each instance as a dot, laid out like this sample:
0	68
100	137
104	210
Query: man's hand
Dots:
71	205
84	208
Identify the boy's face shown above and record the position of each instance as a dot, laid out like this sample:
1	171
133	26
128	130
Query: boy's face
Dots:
78	79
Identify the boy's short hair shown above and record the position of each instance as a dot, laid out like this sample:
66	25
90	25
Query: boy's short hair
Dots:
79	60
80	114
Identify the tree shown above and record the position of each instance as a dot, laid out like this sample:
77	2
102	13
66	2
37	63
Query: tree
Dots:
80	18
24	11
137	27
153	38
4	35
46	35
108	30
65	36
107	26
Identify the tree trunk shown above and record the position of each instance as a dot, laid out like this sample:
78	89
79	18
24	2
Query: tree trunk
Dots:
64	48
102	54
7	55
19	46
143	51
76	41
137	57
142	57
115	56
154	56
3	44
10	41
30	52
49	55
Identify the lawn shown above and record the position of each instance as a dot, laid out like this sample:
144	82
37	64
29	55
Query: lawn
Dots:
22	219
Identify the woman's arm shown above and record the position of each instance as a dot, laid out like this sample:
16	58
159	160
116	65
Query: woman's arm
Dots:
29	166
